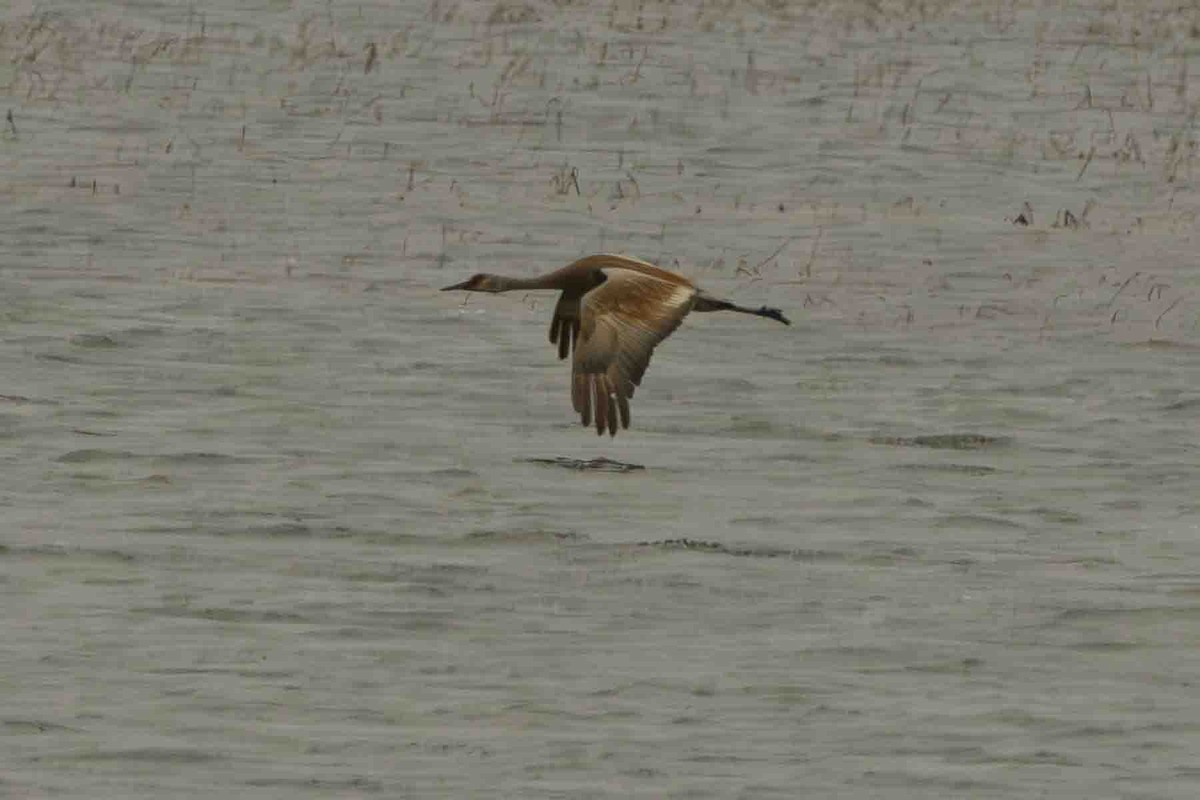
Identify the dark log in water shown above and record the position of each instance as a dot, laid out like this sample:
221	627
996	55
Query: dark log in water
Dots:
592	465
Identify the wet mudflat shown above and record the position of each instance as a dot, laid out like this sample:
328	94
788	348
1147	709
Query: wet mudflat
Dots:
279	519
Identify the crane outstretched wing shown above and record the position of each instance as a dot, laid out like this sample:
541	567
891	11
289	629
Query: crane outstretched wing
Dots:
620	323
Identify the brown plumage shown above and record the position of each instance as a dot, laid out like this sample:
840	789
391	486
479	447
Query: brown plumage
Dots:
612	312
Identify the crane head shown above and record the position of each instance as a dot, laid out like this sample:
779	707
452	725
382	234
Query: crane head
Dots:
480	282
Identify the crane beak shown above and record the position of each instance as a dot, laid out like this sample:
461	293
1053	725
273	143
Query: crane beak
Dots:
462	285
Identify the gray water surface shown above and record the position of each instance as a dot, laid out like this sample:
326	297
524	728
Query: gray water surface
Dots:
268	524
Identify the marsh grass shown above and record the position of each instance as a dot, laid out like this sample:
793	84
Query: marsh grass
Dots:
890	143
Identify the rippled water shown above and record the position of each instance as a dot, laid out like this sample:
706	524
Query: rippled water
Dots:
274	523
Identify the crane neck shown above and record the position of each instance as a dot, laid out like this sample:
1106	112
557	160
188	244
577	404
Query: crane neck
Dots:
506	284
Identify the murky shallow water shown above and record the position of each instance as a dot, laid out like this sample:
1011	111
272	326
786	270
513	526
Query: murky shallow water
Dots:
270	524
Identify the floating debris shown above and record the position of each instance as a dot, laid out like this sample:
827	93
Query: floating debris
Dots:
885	558
593	465
524	536
943	441
93	340
961	469
1191	404
719	548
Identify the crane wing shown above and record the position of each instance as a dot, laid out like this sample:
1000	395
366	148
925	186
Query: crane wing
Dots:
620	323
564	325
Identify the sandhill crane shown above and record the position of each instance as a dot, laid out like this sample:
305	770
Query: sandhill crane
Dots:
614	310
